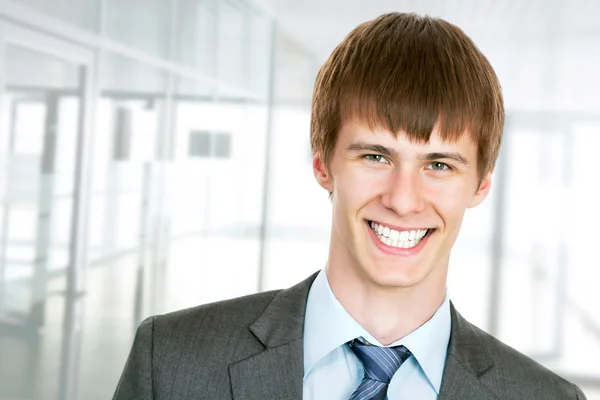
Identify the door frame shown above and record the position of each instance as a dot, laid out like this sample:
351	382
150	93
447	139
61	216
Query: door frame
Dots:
14	34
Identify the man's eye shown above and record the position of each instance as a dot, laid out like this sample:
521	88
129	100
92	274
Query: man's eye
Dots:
438	166
376	158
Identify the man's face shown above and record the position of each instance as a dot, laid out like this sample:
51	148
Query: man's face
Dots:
398	205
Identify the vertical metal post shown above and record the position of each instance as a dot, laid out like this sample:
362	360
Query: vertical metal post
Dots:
267	173
7	201
563	249
216	73
550	72
143	244
247	14
154	280
45	201
101	8
497	242
4	173
77	267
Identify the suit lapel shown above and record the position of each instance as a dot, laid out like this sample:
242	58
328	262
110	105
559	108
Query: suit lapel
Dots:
467	361
276	372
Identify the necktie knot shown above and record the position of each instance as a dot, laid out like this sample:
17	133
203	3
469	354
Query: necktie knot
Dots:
380	365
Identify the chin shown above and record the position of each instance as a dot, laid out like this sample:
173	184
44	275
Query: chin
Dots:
395	278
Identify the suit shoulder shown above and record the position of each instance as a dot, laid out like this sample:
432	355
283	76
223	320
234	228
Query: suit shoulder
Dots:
190	349
517	369
226	314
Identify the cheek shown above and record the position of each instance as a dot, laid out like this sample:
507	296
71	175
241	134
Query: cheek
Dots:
357	187
450	199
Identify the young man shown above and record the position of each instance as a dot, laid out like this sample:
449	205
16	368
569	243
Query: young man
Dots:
407	121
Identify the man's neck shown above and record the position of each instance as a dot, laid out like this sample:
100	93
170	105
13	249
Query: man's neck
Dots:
387	313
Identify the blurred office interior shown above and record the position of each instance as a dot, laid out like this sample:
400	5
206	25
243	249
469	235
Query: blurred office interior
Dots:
154	155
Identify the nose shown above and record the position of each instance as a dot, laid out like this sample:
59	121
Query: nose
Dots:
404	193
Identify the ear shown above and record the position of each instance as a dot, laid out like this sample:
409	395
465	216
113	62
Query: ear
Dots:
482	191
321	173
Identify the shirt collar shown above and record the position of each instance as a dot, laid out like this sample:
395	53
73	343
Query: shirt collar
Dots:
429	344
328	325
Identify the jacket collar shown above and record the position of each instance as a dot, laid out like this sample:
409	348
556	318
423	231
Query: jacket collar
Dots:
275	373
283	320
467	345
467	361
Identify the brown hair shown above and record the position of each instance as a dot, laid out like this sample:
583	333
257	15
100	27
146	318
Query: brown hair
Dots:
405	72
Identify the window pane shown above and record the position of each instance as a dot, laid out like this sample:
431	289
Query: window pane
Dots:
83	13
197	35
142	24
222	146
125	77
232	36
296	71
27	70
260	54
199	144
193	90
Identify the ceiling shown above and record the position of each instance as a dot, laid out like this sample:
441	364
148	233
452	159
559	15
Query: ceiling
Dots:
322	24
546	53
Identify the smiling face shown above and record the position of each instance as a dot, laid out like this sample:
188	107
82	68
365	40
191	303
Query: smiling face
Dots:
398	205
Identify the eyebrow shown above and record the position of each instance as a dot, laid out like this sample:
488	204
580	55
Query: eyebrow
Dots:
389	152
377	148
436	156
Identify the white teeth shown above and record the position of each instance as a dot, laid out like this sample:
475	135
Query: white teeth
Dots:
404	239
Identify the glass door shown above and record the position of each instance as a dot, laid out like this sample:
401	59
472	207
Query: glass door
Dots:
45	103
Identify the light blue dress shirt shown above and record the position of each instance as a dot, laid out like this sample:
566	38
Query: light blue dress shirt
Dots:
332	371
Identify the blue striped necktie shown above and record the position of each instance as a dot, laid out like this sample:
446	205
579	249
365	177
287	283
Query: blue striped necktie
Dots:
380	364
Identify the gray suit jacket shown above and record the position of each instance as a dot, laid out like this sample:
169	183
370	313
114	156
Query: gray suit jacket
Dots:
251	348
